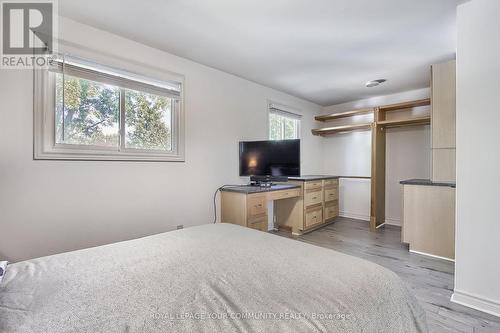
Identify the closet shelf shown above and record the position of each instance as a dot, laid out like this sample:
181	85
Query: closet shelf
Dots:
346	114
405	122
340	129
405	105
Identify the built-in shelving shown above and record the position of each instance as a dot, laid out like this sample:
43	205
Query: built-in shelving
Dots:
334	116
405	105
379	115
405	122
340	129
378	126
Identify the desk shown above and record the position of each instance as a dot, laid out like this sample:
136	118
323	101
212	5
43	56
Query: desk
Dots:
247	205
303	204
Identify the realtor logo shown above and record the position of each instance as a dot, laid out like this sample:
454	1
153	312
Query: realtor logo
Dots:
28	33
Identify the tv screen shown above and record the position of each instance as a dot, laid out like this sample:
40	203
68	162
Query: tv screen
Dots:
270	158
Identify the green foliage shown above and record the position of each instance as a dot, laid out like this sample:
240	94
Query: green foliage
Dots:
146	118
282	128
275	127
91	112
92	115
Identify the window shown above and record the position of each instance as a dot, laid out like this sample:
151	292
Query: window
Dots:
88	111
283	124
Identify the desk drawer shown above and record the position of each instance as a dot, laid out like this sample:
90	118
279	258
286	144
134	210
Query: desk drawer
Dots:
332	210
312	198
331	183
313	217
258	223
313	185
276	195
331	194
257	204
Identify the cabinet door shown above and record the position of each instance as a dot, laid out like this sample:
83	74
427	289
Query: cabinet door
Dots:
443	105
332	210
258	223
315	184
331	194
257	205
331	183
443	165
313	217
313	197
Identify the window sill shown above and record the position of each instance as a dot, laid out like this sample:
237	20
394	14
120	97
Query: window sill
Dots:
70	155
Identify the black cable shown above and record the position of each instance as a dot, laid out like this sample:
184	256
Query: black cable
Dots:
215	198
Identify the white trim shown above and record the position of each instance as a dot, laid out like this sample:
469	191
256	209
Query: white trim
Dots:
393	221
431	255
287	111
45	147
380	225
355	216
476	302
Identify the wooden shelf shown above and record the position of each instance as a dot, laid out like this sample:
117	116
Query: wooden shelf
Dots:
340	129
405	122
405	105
346	114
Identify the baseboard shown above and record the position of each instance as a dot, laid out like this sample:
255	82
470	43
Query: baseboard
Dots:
476	302
431	255
392	221
355	216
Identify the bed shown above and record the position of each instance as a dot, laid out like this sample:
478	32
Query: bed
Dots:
210	278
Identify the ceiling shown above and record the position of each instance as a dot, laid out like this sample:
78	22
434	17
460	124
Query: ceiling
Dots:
321	50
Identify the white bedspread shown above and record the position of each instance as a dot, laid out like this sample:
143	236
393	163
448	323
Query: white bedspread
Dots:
211	278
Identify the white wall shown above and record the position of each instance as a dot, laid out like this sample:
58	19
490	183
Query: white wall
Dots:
349	154
477	268
54	206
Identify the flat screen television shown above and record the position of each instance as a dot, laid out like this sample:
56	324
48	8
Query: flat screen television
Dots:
270	158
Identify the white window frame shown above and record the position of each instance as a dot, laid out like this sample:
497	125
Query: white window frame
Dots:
284	111
46	147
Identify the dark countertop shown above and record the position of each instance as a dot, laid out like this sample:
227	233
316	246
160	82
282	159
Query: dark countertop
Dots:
257	189
426	182
313	177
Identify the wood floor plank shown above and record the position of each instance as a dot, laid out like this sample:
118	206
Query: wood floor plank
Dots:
430	279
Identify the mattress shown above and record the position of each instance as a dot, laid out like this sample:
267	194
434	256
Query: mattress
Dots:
211	278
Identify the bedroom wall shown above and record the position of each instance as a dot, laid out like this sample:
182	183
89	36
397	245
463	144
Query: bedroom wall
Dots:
49	207
349	154
477	272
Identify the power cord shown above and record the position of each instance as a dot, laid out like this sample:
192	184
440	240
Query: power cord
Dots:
215	198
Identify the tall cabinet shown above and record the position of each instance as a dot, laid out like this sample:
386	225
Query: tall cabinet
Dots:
443	104
429	206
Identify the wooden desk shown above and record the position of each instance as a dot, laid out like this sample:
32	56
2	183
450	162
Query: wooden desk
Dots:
301	205
247	205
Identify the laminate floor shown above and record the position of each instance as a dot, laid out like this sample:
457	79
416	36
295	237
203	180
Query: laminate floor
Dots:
430	279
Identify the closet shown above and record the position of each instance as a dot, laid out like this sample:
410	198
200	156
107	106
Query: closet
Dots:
440	115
